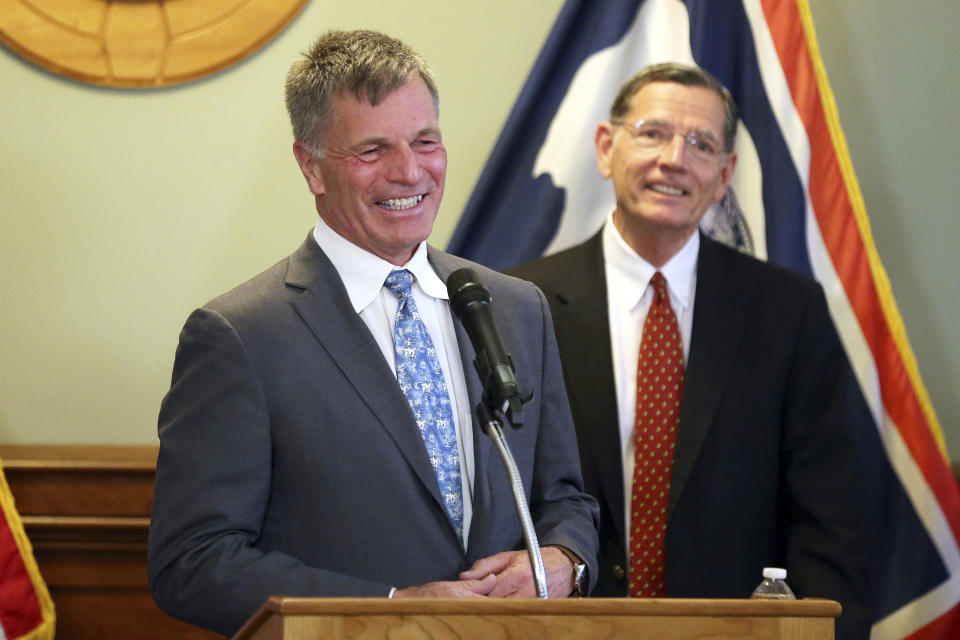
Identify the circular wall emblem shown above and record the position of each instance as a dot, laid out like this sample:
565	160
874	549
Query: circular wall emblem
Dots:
140	43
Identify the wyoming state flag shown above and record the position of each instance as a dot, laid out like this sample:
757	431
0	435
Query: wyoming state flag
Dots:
26	609
794	200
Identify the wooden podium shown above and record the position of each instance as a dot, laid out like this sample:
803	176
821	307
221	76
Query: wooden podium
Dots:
562	619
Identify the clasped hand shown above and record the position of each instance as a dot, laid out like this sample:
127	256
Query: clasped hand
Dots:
503	575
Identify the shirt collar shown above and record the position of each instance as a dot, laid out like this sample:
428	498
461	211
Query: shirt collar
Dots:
632	273
363	273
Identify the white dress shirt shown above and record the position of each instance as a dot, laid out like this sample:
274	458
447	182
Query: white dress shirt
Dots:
629	296
363	274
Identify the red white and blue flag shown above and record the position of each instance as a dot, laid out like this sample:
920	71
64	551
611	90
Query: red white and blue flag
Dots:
794	201
26	609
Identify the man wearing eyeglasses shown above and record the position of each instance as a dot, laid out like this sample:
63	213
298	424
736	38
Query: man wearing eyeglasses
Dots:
704	383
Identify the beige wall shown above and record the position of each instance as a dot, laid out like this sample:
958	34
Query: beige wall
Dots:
122	211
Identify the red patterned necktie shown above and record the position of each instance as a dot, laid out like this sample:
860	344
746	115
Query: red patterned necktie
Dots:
660	372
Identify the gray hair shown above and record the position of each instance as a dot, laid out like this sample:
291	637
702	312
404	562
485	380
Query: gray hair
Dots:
368	64
678	74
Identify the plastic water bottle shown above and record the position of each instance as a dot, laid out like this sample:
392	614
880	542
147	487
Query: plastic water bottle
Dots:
774	585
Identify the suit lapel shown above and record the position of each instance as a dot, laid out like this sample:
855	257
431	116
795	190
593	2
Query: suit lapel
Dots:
445	264
719	319
580	320
325	308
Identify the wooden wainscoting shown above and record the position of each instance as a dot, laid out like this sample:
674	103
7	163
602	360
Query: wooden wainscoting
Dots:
86	510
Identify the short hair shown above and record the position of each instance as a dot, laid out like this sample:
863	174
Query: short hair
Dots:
368	64
678	74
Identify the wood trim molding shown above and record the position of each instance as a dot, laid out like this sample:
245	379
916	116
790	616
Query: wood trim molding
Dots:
86	510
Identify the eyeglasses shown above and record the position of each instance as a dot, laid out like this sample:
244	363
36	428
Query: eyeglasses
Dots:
653	135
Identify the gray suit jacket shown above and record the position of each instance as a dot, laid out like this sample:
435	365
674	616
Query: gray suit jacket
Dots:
290	463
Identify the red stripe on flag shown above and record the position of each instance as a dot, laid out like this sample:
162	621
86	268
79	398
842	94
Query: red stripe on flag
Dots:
942	627
19	606
838	226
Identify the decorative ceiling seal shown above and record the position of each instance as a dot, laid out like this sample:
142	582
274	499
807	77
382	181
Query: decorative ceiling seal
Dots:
140	43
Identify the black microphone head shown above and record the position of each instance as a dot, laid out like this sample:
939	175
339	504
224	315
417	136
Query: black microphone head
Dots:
464	287
470	301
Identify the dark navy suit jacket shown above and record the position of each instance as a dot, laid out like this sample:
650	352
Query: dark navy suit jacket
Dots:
765	470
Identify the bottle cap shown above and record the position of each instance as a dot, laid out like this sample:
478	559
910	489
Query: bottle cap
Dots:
774	573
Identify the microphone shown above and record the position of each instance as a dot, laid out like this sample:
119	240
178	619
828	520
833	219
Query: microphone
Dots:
471	304
471	301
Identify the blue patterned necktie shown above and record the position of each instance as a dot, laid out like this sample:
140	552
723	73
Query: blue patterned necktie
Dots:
421	379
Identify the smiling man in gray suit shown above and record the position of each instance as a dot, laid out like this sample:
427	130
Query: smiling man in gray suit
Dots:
291	461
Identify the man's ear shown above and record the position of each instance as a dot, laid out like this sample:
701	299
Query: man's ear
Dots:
310	167
726	176
603	140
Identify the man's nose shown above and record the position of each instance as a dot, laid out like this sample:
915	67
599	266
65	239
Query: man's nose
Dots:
674	153
404	165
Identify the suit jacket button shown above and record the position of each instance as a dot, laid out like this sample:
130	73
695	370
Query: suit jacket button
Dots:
618	572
